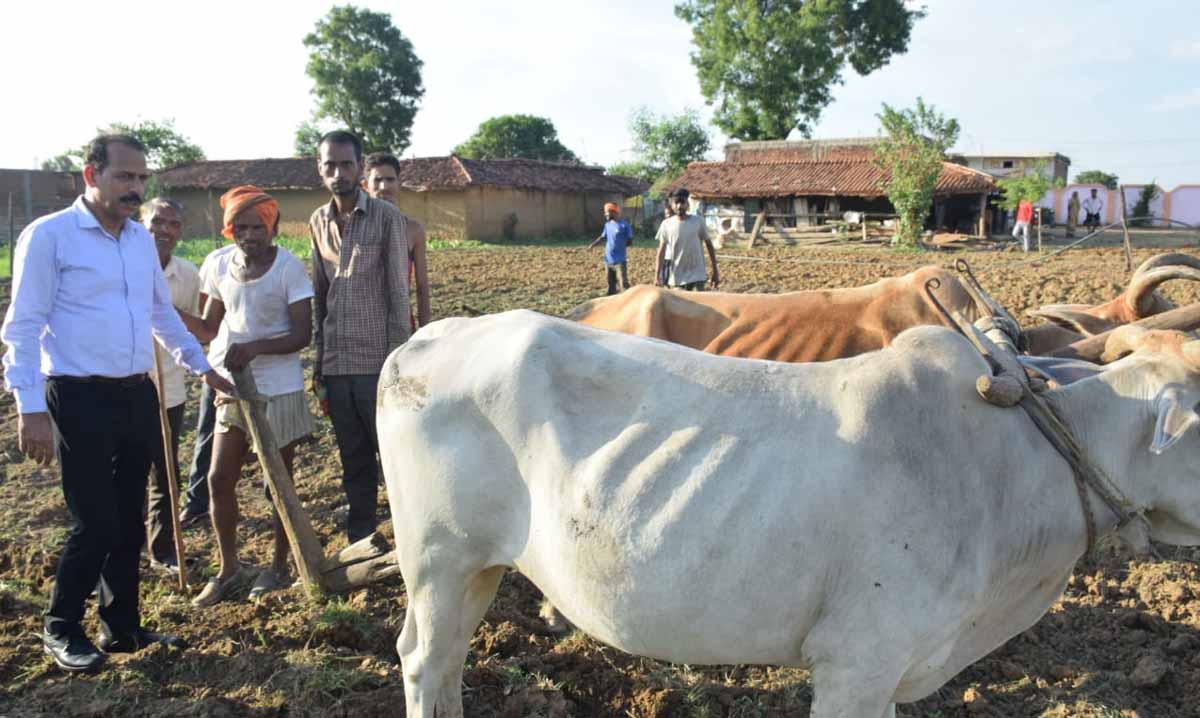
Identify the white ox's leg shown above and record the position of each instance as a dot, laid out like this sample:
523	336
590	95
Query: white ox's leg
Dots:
854	689
443	613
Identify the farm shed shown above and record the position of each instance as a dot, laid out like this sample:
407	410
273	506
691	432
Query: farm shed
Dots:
31	194
452	196
807	181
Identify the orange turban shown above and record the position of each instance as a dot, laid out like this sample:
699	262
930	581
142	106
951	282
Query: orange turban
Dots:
238	199
612	206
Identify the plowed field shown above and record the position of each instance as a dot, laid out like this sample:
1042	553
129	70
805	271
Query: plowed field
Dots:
289	656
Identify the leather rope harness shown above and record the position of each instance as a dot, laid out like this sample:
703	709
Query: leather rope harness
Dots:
1008	374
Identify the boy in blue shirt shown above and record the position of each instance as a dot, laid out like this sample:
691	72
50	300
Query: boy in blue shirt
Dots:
616	236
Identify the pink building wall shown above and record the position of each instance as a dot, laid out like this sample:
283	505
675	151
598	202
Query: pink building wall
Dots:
1181	204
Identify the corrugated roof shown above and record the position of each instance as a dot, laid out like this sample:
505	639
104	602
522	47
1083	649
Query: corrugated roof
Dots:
843	177
419	174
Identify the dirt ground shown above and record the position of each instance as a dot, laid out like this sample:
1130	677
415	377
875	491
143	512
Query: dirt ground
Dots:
1122	623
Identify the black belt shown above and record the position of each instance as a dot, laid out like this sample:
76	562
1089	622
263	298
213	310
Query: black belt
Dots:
121	381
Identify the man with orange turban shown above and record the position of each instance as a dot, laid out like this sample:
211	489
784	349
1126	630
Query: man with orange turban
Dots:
259	315
617	235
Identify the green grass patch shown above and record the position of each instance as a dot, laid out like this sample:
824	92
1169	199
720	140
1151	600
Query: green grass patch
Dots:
5	264
195	250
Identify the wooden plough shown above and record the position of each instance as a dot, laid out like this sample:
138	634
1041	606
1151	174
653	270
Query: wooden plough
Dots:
355	566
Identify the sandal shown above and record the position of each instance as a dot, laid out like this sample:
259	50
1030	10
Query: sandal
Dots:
217	590
268	580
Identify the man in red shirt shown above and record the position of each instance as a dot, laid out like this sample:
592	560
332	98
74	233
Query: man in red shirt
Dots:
1024	217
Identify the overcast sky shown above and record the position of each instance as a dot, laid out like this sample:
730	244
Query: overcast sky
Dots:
1112	85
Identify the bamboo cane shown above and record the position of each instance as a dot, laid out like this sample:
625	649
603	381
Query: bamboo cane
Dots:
169	462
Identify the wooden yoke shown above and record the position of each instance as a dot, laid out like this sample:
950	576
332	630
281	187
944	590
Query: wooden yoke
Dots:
306	547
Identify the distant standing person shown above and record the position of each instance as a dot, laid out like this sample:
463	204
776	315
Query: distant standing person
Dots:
164	218
1024	219
1072	213
258	315
88	301
360	262
617	236
383	182
681	242
1093	206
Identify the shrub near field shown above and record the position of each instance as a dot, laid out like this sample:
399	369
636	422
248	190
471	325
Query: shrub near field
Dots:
1124	640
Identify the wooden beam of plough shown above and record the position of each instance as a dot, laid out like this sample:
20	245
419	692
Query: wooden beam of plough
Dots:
363	562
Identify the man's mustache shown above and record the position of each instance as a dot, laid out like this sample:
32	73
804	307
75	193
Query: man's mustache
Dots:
131	198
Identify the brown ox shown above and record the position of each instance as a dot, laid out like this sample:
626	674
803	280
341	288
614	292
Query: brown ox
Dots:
821	325
1069	323
817	325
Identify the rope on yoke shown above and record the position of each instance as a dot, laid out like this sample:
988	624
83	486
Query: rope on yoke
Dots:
1008	385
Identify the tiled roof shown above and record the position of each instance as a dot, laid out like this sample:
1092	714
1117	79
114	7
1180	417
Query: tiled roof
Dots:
419	174
847	178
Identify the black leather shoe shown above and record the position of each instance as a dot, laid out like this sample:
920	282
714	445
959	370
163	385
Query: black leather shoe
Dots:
136	641
72	653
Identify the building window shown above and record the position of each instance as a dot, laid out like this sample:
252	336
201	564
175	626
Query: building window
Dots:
1008	164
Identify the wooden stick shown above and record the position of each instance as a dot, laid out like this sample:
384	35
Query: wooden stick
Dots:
169	462
1182	319
306	547
1125	231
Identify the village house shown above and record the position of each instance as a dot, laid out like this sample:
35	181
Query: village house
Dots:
1051	165
453	197
26	195
812	182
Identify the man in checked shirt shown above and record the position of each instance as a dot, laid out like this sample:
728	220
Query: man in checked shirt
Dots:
360	255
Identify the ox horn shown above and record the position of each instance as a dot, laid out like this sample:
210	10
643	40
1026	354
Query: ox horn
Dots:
1138	295
1122	341
1166	259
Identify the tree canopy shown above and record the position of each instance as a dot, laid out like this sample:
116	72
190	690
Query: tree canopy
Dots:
509	136
1097	177
165	146
1029	186
663	145
367	79
769	67
912	150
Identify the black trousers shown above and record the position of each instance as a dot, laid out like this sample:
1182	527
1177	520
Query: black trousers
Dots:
611	271
197	488
104	435
160	531
352	411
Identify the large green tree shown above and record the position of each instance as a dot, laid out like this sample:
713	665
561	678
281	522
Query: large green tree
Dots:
1097	177
367	79
509	136
769	65
663	145
165	146
911	150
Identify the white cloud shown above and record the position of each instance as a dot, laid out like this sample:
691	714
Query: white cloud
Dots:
1182	100
1185	50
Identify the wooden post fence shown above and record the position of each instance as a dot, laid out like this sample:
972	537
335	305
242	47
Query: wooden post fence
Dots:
1125	231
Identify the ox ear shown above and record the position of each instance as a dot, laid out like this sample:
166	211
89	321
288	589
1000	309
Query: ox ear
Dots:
1175	418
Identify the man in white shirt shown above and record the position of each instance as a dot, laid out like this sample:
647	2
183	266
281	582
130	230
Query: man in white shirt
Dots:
88	301
164	218
681	241
1093	206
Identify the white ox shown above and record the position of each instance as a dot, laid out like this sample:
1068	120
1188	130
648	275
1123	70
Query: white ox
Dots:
869	518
